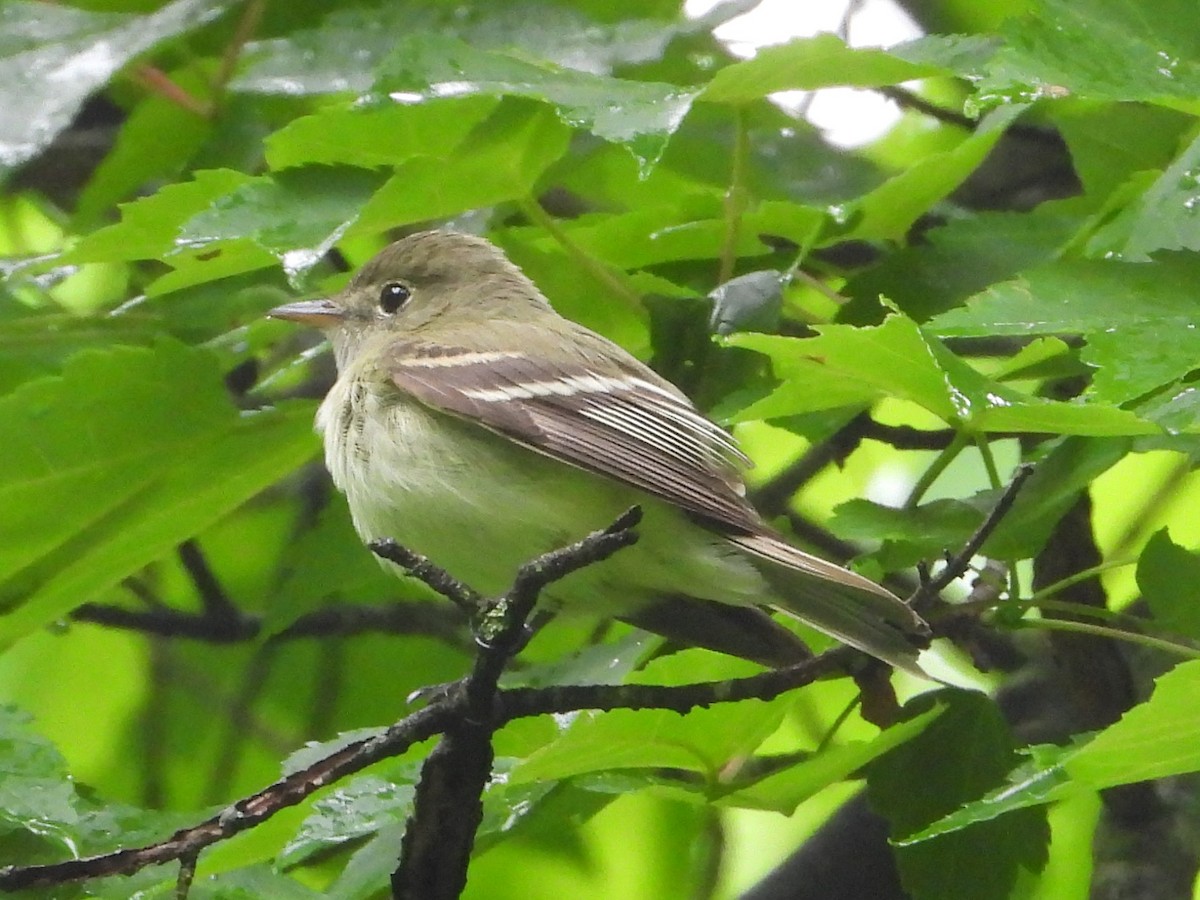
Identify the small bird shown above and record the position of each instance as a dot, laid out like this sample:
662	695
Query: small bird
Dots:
473	424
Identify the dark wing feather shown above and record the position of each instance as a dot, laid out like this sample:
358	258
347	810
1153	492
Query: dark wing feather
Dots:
618	420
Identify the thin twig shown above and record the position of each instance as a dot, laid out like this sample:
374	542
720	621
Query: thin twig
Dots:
242	815
773	497
936	468
344	620
461	595
1117	634
213	598
906	99
187	872
957	565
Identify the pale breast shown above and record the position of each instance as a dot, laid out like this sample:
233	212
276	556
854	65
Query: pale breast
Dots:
480	505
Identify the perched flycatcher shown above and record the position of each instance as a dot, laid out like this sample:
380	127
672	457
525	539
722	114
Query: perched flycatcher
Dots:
473	424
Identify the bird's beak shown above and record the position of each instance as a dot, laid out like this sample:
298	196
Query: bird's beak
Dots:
322	313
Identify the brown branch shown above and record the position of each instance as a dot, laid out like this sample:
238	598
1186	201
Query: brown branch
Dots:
448	803
461	595
907	99
469	711
244	814
508	705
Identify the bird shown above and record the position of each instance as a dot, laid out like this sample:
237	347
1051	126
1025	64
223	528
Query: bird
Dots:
474	424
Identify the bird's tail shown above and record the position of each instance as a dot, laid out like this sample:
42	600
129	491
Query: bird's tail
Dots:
838	602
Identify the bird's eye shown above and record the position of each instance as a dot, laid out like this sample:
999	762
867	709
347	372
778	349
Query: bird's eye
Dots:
392	296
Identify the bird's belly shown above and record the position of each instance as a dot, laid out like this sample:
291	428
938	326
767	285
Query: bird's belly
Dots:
479	506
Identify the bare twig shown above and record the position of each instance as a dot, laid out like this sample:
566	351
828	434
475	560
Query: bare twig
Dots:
461	595
957	565
392	617
773	497
213	598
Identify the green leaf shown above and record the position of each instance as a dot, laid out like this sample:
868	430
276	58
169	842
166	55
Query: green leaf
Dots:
1177	410
43	812
845	366
379	806
358	808
1105	49
959	259
163	455
250	883
809	63
784	791
226	224
52	58
1165	217
1109	142
1036	782
155	141
1155	739
653	235
35	342
639	115
377	136
1139	319
965	54
925	532
149	226
296	216
313	61
1168	576
891	209
962	754
500	160
36	796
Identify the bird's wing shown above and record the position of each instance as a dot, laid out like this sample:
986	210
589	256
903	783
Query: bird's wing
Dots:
622	421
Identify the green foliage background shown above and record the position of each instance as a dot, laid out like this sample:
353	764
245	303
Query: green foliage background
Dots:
1016	274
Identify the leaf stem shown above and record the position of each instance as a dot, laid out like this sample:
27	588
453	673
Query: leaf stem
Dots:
156	80
1076	577
246	26
1116	634
930	475
593	266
